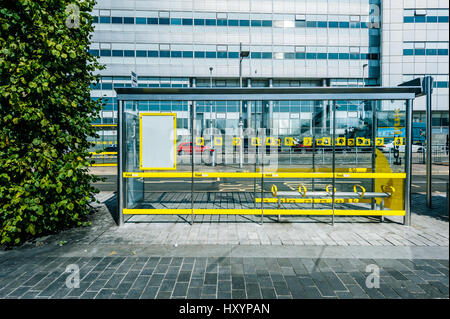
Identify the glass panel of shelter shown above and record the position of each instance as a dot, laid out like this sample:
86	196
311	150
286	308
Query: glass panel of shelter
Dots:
225	157
355	147
300	152
133	187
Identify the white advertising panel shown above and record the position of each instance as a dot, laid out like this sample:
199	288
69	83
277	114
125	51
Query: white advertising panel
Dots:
157	141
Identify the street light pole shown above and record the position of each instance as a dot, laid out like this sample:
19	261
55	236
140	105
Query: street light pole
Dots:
210	76
428	86
210	115
242	55
363	84
240	64
364	67
241	151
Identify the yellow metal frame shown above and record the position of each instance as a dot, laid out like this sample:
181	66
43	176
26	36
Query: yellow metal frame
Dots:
315	170
265	212
259	175
288	200
174	141
103	164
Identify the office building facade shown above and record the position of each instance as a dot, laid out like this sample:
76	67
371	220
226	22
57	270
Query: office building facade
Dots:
196	43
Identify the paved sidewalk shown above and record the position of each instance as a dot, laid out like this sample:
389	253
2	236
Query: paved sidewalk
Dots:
165	257
223	278
429	228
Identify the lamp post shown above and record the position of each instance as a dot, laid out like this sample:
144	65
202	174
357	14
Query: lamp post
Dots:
210	76
210	114
364	67
363	84
242	55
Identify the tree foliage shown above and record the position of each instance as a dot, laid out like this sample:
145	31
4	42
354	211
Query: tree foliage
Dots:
45	116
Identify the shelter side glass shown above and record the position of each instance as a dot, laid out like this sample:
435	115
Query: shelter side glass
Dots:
390	162
364	171
156	179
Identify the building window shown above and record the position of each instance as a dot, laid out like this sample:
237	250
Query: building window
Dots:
244	23
199	21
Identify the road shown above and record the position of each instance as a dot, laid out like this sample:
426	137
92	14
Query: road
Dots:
418	183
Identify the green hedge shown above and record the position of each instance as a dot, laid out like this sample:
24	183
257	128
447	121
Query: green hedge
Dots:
45	117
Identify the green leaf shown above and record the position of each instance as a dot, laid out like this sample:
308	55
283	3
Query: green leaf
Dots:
45	129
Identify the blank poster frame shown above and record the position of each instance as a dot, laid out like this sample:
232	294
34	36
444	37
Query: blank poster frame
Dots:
173	163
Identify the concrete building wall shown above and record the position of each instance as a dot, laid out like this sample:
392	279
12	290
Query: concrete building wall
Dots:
415	44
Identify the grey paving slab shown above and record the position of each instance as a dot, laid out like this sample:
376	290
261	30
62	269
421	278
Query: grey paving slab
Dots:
235	257
422	281
429	229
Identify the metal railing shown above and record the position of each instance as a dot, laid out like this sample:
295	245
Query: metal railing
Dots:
439	154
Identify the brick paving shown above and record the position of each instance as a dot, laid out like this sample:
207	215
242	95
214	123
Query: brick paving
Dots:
429	227
221	278
219	259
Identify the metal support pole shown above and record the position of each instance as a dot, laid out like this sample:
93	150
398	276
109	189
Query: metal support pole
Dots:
428	83
374	148
324	110
192	112
262	167
120	163
241	147
211	145
313	159
408	166
448	200
333	109
192	162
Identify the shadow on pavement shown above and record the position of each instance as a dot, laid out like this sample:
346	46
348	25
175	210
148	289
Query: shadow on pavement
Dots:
439	208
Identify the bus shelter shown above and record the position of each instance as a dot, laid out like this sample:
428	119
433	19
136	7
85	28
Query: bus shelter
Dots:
265	152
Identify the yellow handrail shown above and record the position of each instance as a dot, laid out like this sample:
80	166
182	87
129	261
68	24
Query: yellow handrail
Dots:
363	190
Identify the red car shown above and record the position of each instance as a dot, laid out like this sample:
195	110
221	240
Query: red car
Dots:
302	148
186	148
